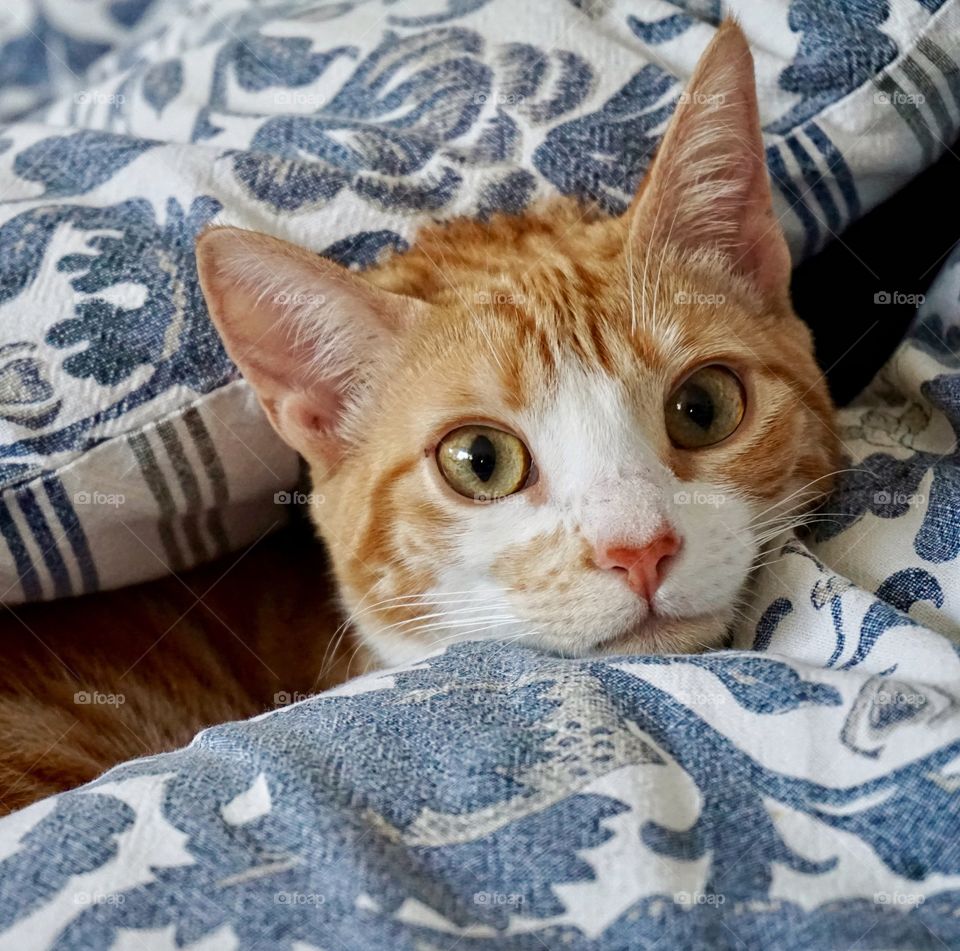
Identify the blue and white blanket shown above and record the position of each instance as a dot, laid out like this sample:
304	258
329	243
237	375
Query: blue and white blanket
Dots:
128	447
801	792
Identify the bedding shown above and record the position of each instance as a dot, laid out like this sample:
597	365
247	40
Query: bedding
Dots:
801	791
128	446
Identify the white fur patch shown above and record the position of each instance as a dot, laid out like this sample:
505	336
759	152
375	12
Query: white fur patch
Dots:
602	485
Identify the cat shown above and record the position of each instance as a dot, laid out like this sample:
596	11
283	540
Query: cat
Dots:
560	429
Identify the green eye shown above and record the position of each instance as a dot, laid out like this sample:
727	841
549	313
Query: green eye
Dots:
705	408
483	463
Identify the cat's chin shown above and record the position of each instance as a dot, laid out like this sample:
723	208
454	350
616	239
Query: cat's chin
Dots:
662	635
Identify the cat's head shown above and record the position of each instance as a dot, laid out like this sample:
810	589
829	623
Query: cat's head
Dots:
559	427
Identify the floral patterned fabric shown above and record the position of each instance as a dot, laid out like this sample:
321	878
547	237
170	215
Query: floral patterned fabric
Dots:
128	447
800	792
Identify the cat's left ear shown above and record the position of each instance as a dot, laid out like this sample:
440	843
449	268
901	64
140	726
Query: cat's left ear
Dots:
708	187
306	333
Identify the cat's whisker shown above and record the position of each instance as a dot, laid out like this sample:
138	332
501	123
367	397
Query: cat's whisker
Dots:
424	600
443	594
462	635
419	619
833	518
798	506
469	600
340	632
646	261
450	625
812	482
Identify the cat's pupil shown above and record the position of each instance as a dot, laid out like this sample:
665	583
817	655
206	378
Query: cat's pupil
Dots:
483	458
697	405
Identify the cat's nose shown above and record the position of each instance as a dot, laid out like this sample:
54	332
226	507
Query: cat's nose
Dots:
644	565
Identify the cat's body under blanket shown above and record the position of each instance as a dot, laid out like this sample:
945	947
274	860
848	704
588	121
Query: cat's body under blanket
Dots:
93	681
561	428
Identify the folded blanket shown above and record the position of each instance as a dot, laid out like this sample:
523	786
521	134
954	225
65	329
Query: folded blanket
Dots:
798	792
128	447
800	795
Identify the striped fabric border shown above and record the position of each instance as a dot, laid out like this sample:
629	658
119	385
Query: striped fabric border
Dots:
816	182
809	169
926	94
177	500
193	532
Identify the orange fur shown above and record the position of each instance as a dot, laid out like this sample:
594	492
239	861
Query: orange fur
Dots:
564	327
179	663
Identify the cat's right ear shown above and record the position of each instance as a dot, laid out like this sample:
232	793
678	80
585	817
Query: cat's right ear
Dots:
708	188
305	332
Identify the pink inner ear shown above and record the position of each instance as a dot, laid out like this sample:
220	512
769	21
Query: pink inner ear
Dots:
303	330
708	188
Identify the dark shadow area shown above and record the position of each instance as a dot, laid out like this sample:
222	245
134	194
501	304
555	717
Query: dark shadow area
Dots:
891	253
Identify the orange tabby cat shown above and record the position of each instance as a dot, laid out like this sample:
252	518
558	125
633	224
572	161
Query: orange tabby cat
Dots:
561	429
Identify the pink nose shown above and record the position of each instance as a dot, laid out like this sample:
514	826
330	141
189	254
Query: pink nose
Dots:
645	565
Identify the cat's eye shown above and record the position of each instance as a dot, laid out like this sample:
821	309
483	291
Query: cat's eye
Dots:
483	463
705	408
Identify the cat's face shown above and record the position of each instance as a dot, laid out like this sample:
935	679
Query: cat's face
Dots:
563	429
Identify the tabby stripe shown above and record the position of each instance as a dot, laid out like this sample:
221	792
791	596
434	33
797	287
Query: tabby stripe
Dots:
207	450
67	516
189	486
837	165
909	113
26	571
815	182
780	177
158	487
921	79
942	60
49	548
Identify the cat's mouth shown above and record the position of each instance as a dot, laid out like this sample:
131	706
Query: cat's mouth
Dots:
658	634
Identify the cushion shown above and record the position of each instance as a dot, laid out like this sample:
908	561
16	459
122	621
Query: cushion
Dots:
128	446
797	793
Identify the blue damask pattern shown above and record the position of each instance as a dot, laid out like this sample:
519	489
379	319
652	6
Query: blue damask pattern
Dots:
118	340
800	792
349	822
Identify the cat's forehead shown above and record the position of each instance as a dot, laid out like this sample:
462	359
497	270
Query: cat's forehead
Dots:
542	338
